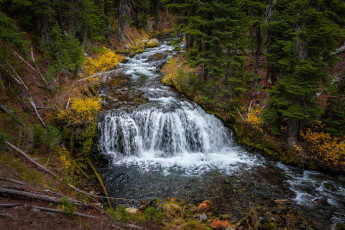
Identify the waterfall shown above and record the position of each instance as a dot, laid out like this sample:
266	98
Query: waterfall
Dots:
186	129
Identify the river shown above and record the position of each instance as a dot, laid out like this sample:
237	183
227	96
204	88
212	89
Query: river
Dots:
167	146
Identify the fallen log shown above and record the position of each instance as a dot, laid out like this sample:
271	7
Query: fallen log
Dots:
282	201
44	209
39	166
13	193
31	186
38	70
102	74
17	78
100	181
36	112
10	112
340	50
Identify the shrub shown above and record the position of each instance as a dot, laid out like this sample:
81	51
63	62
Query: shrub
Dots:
105	61
323	146
67	207
80	112
153	215
49	137
4	137
120	215
254	119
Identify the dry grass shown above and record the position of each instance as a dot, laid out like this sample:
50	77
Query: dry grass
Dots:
172	211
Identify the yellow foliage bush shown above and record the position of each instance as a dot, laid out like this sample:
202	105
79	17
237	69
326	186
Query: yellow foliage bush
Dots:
170	71
324	146
105	61
65	157
253	118
152	44
81	111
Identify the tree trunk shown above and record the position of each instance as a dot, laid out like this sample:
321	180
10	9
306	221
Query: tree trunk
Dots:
293	128
124	12
204	74
301	53
257	55
189	41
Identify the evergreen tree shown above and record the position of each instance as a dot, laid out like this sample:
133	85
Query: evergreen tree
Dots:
219	41
334	116
187	9
64	54
9	34
256	10
307	38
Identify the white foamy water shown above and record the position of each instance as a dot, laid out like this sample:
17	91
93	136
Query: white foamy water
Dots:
184	136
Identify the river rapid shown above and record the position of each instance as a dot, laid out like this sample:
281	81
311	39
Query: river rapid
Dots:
167	146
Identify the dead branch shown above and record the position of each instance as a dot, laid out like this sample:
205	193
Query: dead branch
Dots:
14	193
42	86
57	108
249	214
67	104
18	77
12	205
11	180
250	108
33	59
339	50
7	192
93	195
105	74
30	159
35	110
10	112
283	201
129	39
240	114
31	186
21	58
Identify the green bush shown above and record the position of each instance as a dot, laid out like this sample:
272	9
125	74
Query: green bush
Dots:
48	138
153	215
67	207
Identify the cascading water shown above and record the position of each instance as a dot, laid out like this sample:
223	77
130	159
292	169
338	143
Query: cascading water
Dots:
169	146
168	129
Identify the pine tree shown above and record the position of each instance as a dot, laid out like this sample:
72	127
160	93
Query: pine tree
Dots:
334	116
9	34
307	38
256	11
219	41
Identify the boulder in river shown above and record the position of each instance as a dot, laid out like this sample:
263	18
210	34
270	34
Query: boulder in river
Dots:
152	43
157	56
203	217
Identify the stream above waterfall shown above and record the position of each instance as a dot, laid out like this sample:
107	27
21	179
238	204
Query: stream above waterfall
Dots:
167	146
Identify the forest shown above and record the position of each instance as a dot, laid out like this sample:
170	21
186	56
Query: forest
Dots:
78	96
